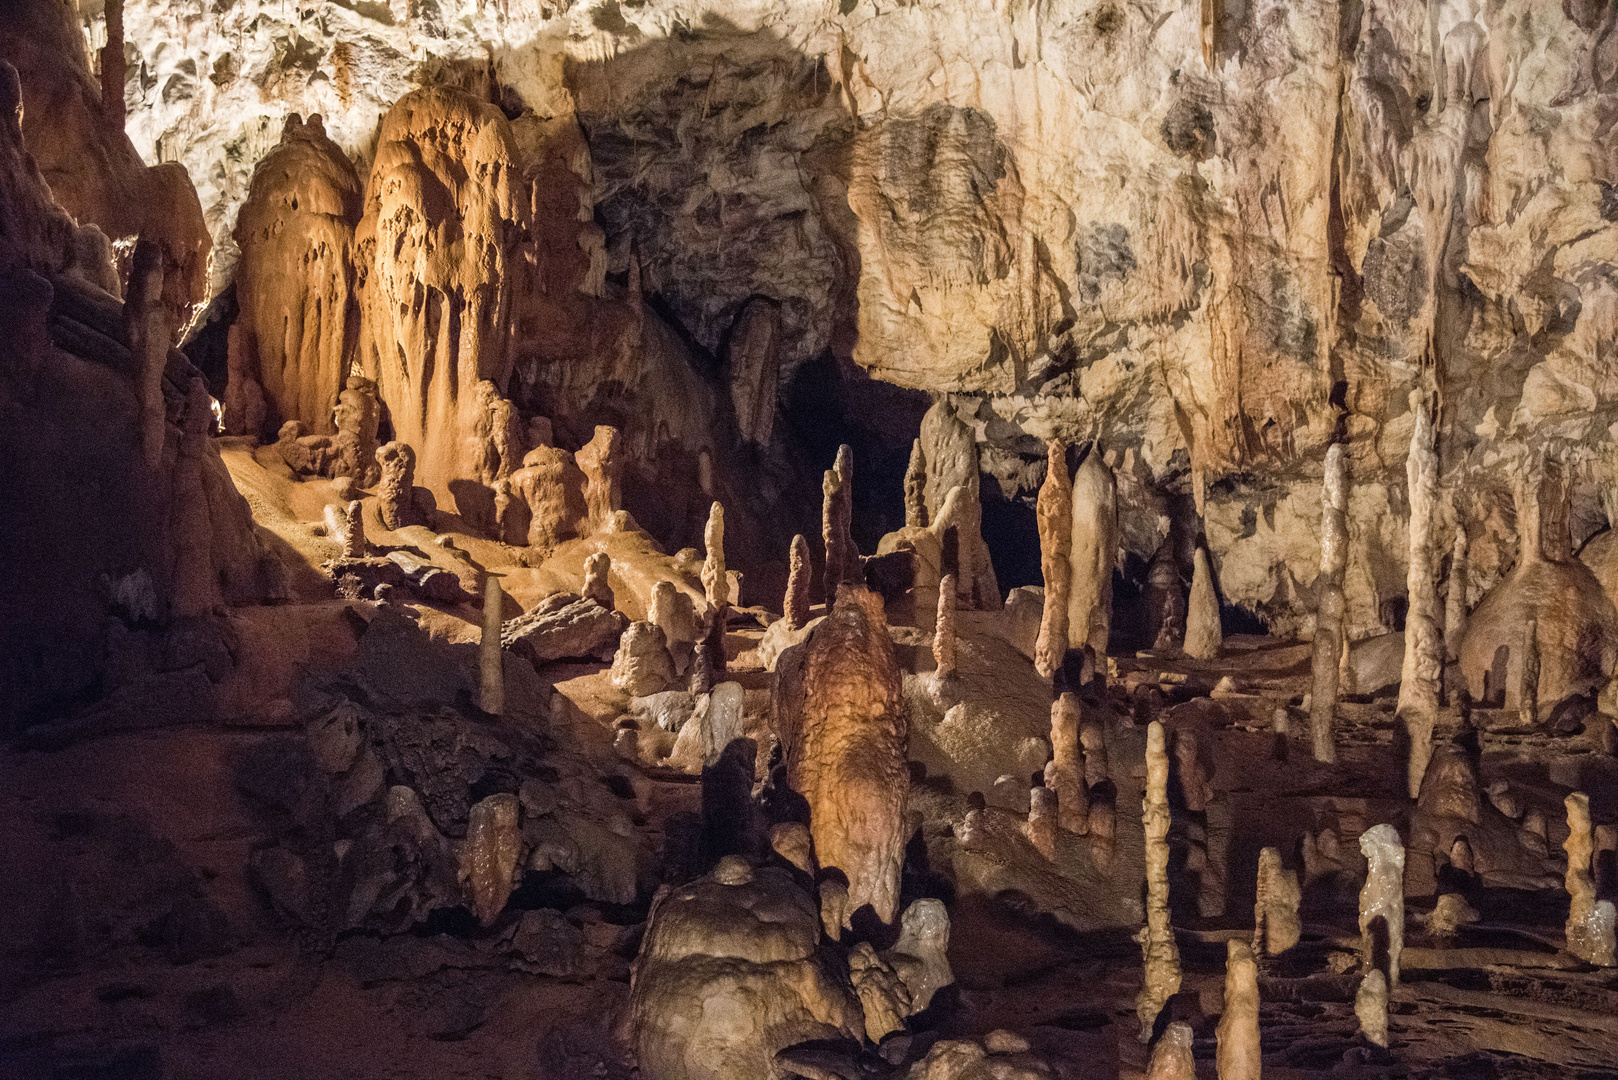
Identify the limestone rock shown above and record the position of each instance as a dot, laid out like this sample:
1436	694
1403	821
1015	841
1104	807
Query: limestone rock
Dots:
642	667
1239	1056
1093	556
1171	1057
1203	637
491	855
565	626
840	714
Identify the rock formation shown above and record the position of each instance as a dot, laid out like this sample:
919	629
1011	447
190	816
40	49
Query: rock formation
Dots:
1203	638
295	276
1159	953
490	856
1055	513
840	714
1065	772
354	445
1165	597
1371	1007
642	665
944	630
597	567
842	562
1171	1057
1382	902
795	606
1590	932
1040	828
1239	1057
715	583
1455	597
1329	640
1275	913
916	488
396	490
354	531
1424	653
1093	554
951	457
921	955
674	613
491	662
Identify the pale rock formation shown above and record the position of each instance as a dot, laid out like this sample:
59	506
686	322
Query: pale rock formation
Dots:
921	955
1329	610
729	973
551	484
1171	1057
1590	922
1065	772
491	855
1239	1055
436	317
354	532
795	605
601	463
1574	646
1092	736
396	491
674	613
721	723
715	583
951	455
641	666
916	488
1455	597
1093	554
1165	596
840	714
1040	828
1371	1006
1382	901
842	562
1159	953
1055	515
791	841
1275	913
597	568
1204	640
1450	913
1002	1055
944	630
752	369
883	997
295	275
1424	653
354	445
491	661
1024	614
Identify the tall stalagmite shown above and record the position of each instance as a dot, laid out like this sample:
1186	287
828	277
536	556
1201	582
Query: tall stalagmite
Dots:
1328	644
441	251
1423	662
1093	554
295	278
1239	1054
795	607
1159	952
715	581
916	488
1382	901
1590	930
1455	597
491	661
950	451
1064	773
944	630
1203	637
1054	511
1275	911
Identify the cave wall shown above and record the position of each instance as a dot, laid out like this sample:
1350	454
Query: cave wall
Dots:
1212	252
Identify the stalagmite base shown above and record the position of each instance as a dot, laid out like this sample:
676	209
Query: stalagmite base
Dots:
1239	1055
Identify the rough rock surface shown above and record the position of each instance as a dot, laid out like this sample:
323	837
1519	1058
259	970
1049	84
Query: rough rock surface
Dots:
565	625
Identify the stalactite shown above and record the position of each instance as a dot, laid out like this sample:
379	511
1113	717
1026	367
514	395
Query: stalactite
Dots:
1423	668
1054	511
1328	643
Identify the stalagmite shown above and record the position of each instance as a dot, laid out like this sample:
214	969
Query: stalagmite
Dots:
490	855
835	489
944	631
1203	638
795	607
1528	688
1043	808
1064	773
1239	1054
1092	554
1093	738
953	501
146	333
1275	914
1371	1007
641	666
1423	661
1054	511
1383	900
491	669
1328	643
396	490
1159	952
354	537
1165	598
714	580
674	613
1590	922
596	587
1171	1057
916	488
1455	598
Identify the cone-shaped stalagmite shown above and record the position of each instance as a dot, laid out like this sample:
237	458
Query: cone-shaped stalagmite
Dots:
1455	598
596	569
1590	931
1239	1056
1054	511
837	509
944	630
1423	666
1203	637
1328	644
354	538
491	669
1158	950
1093	552
795	608
714	580
1064	773
916	488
